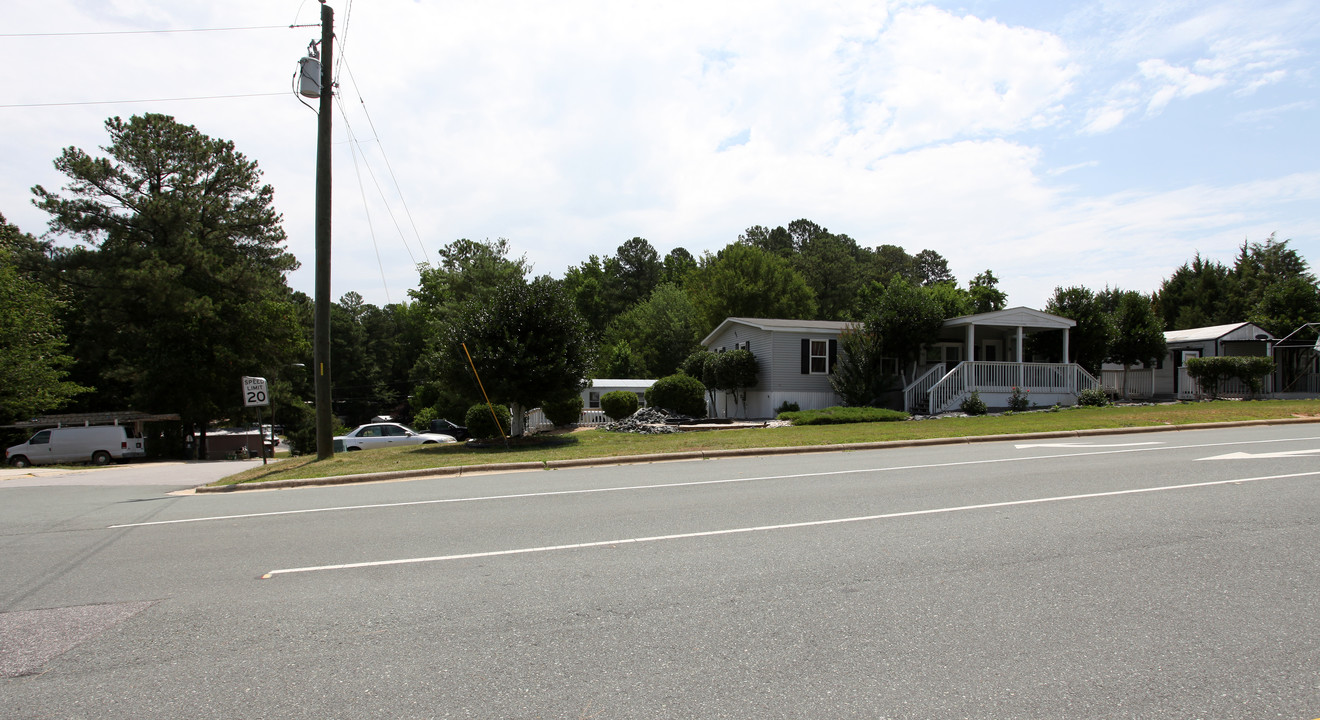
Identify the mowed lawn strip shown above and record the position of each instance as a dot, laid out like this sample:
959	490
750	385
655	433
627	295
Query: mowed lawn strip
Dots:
603	444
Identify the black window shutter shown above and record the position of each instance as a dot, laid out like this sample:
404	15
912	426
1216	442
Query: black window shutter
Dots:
806	356
834	354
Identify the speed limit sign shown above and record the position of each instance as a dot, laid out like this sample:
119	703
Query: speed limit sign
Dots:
254	392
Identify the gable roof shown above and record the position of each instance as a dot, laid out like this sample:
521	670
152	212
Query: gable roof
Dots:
635	383
1014	317
1231	331
775	325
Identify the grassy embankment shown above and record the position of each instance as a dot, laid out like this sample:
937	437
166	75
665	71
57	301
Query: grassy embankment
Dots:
601	444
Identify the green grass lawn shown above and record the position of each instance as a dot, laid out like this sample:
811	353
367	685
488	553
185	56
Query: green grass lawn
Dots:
601	444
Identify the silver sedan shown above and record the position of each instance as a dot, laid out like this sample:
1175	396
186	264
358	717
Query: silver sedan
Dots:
378	435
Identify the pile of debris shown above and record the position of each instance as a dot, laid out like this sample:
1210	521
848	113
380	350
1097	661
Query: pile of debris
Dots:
649	421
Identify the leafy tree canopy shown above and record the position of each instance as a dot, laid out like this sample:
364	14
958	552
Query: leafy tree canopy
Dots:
32	343
527	342
905	317
663	330
1139	337
930	268
985	293
745	281
181	289
1089	340
467	269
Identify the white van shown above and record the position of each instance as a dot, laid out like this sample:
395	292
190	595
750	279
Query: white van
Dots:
96	444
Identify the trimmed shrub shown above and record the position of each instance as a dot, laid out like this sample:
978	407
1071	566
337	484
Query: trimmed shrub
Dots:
619	404
1211	372
973	404
1018	401
842	415
680	393
563	412
786	407
1093	397
482	426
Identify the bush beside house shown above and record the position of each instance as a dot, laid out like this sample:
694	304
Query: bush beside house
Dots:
680	393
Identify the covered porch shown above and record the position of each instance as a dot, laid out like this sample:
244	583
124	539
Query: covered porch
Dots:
988	353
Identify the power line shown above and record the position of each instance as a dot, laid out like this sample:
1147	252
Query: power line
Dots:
426	255
372	228
153	32
120	102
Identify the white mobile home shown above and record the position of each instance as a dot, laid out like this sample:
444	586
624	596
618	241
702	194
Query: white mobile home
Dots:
795	358
983	353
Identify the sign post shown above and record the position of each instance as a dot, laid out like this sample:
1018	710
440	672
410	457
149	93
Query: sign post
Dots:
256	395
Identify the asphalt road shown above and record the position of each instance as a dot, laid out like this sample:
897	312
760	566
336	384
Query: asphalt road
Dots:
1169	575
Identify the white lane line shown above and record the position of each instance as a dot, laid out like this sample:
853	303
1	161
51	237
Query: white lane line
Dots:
767	528
1260	456
1085	445
694	483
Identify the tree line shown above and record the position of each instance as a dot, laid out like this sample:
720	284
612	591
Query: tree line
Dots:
176	287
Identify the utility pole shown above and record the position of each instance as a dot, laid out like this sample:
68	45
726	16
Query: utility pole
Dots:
321	326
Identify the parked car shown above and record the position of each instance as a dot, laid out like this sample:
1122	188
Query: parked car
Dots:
378	435
95	444
444	427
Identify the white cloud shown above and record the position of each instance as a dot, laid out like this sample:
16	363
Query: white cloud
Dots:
569	128
1174	82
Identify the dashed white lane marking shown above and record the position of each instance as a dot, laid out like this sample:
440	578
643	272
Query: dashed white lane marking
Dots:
1085	445
768	528
694	483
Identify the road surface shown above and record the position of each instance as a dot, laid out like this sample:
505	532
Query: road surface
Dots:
1169	575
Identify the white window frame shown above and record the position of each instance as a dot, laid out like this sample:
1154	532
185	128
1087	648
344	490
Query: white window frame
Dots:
823	357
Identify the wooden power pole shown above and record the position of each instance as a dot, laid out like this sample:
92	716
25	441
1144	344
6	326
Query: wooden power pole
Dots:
321	326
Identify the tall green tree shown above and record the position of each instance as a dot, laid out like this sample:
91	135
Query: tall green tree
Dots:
1277	285
905	317
1139	334
663	331
585	285
1201	293
468	269
832	266
33	355
985	293
527	342
631	274
180	284
678	265
775	241
1090	339
745	281
889	261
930	268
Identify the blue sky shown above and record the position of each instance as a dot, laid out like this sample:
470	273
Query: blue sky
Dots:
1057	144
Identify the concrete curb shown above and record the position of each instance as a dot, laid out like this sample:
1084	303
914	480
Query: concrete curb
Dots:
739	452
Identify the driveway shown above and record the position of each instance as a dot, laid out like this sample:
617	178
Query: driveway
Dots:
171	472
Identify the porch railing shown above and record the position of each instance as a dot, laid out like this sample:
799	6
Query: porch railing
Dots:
1140	382
915	395
1002	377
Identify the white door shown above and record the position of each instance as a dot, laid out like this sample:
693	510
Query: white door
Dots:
1186	385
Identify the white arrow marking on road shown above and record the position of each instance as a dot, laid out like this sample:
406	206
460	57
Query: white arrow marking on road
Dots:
1085	445
1260	456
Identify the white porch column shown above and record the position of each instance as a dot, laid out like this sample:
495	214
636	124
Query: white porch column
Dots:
971	343
1021	379
1065	345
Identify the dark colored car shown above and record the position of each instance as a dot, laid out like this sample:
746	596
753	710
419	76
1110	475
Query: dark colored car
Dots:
459	432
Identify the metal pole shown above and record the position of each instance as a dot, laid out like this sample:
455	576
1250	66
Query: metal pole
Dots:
321	330
261	436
